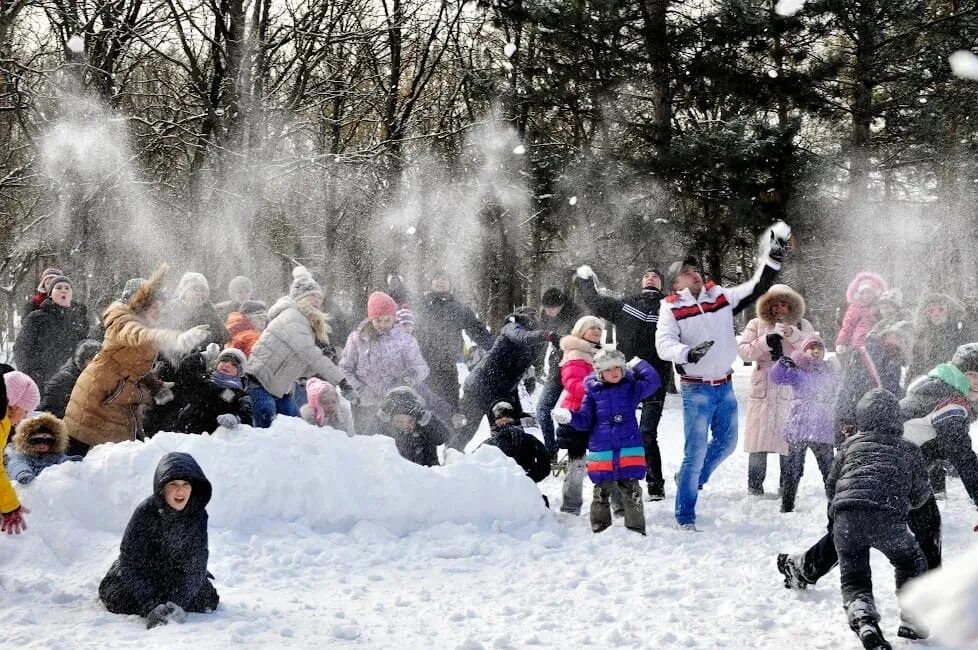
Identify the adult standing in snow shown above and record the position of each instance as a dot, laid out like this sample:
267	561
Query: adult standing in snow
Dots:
161	571
775	332
559	315
636	319
57	390
696	332
105	402
939	332
49	335
288	349
496	376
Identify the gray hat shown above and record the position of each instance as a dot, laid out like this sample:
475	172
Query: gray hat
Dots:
303	284
240	283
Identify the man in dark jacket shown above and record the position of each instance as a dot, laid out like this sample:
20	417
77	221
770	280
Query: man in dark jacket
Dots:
161	571
54	397
560	313
498	373
508	436
49	335
636	318
416	432
877	478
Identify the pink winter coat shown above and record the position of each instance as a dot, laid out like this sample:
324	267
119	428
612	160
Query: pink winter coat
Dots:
768	404
575	368
859	318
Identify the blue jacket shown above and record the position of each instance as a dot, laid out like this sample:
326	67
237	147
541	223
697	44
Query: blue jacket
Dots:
615	450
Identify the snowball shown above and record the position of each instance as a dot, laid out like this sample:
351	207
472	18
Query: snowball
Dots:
411	230
788	7
964	64
573	200
773	74
519	150
946	600
509	50
76	44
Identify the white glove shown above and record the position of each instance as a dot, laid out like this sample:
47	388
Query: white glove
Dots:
779	329
634	361
585	272
165	394
193	337
211	352
228	420
562	415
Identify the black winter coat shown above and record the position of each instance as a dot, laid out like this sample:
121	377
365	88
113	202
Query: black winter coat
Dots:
636	319
561	324
420	446
867	364
48	338
875	467
499	371
206	401
163	555
57	391
528	452
441	321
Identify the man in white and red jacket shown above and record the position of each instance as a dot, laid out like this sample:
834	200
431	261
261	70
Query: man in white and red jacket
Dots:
696	332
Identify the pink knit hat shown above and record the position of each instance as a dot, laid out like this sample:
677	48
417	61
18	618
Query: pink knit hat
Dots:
21	391
380	304
314	388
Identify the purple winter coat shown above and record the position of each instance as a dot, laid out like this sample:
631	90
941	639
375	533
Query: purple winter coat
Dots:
376	365
615	450
812	414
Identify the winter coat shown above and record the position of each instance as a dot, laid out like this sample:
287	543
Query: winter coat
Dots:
181	317
876	468
287	350
48	337
499	371
441	321
163	555
769	404
57	391
561	324
419	446
8	497
575	368
243	333
24	464
872	366
376	363
342	420
686	321
935	344
615	448
206	401
104	404
814	387
528	452
859	318
938	418
636	320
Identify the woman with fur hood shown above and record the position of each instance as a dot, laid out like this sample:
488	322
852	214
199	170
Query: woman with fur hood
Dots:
777	331
939	332
863	295
287	350
39	442
106	402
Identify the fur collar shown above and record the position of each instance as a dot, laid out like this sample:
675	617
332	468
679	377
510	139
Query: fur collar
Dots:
29	426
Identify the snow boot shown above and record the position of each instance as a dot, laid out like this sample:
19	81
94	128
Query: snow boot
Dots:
910	629
864	621
790	568
870	635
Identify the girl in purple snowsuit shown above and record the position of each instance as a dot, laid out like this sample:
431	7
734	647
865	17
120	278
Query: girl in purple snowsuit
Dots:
810	424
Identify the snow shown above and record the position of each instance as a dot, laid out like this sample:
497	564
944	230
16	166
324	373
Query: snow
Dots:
946	600
519	150
964	64
319	540
572	200
509	50
788	7
76	44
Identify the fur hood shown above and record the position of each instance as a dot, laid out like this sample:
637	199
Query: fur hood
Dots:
796	304
868	277
954	307
32	425
149	291
317	319
577	348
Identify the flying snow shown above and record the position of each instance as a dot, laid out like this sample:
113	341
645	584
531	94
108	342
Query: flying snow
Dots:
788	7
519	150
573	200
964	64
509	50
76	44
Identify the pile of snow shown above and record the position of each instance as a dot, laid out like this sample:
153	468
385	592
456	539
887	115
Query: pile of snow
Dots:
946	600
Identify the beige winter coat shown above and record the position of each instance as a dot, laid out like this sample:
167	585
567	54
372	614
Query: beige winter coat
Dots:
768	404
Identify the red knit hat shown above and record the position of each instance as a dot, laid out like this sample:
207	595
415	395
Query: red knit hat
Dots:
380	304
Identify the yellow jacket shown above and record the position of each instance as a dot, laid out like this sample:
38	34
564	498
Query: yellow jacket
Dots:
8	498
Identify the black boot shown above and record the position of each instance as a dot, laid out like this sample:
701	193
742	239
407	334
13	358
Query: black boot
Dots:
793	578
869	633
788	498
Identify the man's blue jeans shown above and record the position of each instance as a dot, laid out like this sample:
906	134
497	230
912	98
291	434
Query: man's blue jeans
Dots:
264	406
545	404
706	410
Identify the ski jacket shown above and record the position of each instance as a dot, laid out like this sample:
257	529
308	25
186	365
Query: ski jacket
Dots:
498	372
375	363
813	401
575	368
859	319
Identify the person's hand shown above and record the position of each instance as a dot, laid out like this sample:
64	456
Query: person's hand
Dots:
159	616
585	272
228	420
211	352
530	384
788	361
553	338
774	344
349	393
165	394
779	243
193	337
13	522
562	415
698	351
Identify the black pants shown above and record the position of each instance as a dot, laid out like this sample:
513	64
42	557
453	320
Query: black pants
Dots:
77	448
649	426
757	470
924	523
443	379
118	599
855	533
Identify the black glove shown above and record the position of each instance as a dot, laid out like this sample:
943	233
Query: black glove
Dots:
697	351
553	337
159	616
774	342
778	249
530	384
348	392
788	361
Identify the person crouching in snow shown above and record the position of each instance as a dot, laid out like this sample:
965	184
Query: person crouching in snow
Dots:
404	417
325	408
161	571
219	400
616	455
38	443
506	434
18	397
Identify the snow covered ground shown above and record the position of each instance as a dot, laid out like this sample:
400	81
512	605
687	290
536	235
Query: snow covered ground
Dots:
321	541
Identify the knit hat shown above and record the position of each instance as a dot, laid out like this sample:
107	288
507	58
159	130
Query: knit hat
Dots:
189	281
58	278
253	307
403	401
676	267
132	286
405	316
240	283
380	304
303	284
51	272
505	409
811	341
22	391
235	356
608	358
315	388
554	297
584	323
966	357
